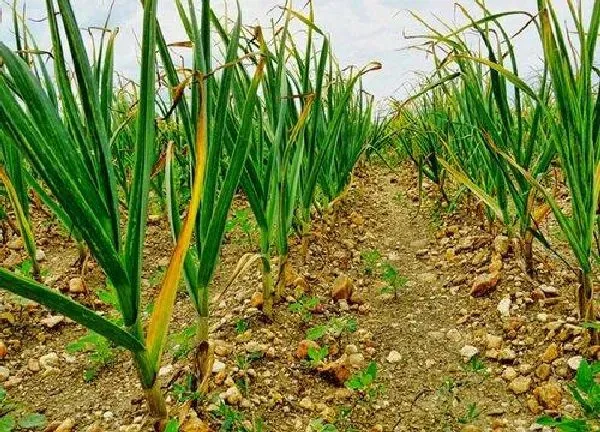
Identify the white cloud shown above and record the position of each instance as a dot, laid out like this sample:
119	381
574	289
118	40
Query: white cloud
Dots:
361	30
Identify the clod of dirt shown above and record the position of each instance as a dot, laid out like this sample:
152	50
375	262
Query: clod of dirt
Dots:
342	288
520	385
549	395
485	284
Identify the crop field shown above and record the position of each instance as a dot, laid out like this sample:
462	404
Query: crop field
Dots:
242	237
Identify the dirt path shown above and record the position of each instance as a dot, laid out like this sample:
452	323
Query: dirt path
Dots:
377	237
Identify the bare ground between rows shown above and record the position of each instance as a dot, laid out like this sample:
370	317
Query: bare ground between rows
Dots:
428	323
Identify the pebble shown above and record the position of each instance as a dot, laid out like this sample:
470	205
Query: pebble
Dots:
504	307
33	365
76	286
509	374
574	362
549	395
493	341
52	321
3	349
4	373
166	370
218	366
543	371
233	396
66	426
468	352
550	354
40	255
394	357
49	360
520	385
306	403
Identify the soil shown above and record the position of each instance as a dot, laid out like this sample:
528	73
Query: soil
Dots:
429	322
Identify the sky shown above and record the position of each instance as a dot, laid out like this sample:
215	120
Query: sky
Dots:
361	31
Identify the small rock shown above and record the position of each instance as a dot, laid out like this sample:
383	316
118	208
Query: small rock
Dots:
337	372
468	352
40	255
504	307
465	244
49	361
493	341
194	424
574	362
257	300
394	357
549	290
76	286
66	426
218	366
534	407
550	354
33	365
4	373
52	321
549	395
96	427
356	360
509	374
307	404
502	245
507	355
16	244
233	396
520	385
484	284
496	264
342	288
166	370
543	371
3	349
254	347
222	348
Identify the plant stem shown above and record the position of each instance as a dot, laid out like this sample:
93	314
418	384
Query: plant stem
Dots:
267	280
156	401
281	282
527	251
148	377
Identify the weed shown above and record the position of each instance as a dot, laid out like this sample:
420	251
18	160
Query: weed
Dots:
395	281
241	326
234	421
99	351
317	355
471	415
319	425
370	260
241	221
11	421
476	365
182	343
183	392
305	307
335	327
